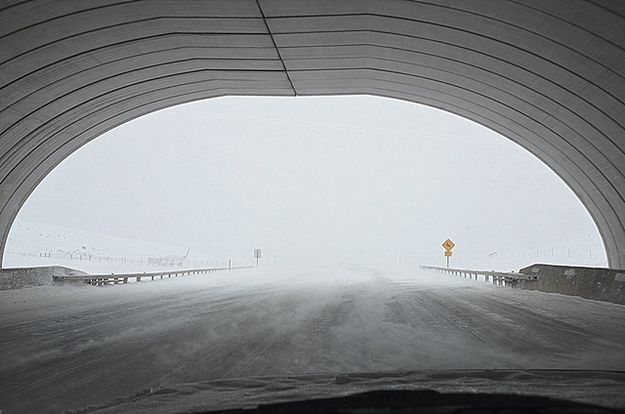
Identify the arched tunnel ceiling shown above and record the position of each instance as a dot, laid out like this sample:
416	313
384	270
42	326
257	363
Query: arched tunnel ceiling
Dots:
549	75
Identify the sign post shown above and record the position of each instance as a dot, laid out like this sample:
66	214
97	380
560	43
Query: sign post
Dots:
448	245
258	253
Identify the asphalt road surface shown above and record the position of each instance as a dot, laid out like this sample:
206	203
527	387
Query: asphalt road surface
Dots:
71	347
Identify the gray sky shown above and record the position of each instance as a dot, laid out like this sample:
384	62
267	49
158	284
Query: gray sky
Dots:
352	178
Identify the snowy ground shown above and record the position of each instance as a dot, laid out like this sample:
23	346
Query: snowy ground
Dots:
39	244
71	347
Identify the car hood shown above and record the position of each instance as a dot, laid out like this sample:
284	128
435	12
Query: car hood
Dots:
605	388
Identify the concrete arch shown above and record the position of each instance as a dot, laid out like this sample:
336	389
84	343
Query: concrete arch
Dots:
547	75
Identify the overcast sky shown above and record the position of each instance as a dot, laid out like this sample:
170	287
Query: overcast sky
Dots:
349	178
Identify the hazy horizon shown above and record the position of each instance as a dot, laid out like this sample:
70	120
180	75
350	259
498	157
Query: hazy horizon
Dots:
311	179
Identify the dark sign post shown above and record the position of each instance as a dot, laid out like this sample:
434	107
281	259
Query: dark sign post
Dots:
258	253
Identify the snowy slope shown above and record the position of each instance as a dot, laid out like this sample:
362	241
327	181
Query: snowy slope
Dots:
39	244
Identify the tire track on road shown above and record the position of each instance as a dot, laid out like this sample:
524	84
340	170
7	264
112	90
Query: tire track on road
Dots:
211	355
56	374
308	338
64	337
444	315
397	313
548	333
519	337
314	343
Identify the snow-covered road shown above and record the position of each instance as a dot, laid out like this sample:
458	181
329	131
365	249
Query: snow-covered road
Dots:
69	347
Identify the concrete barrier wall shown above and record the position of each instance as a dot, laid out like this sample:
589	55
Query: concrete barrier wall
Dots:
607	285
21	277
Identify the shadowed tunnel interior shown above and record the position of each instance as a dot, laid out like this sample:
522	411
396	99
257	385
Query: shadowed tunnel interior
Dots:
548	75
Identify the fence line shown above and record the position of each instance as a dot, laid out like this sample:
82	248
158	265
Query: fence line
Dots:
140	260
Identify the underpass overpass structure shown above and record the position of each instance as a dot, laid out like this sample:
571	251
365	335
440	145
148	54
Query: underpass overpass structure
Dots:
549	75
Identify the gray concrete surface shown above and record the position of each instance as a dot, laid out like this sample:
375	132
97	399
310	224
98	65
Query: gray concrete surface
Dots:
69	348
587	282
18	278
549	75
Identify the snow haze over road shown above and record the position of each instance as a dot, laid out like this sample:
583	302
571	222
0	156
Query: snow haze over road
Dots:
60	344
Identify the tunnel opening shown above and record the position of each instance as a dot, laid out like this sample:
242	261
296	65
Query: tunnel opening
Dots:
369	161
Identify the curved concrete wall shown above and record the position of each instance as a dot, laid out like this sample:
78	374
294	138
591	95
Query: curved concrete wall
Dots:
549	75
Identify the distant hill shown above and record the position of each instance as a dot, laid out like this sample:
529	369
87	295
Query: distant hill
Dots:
37	244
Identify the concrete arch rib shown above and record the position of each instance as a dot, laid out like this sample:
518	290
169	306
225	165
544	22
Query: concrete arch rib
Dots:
550	77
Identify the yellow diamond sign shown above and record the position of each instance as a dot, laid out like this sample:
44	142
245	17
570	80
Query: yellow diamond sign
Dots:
448	245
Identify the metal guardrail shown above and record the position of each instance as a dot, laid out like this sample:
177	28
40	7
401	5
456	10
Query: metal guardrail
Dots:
121	278
498	278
